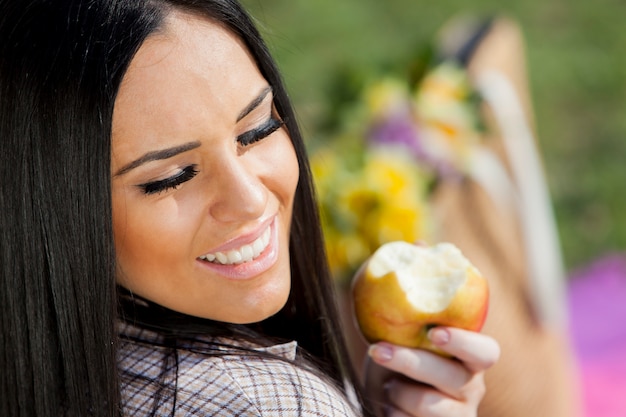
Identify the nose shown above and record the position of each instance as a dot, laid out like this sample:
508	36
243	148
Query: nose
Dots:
240	193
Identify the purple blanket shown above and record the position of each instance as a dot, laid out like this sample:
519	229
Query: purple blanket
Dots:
597	305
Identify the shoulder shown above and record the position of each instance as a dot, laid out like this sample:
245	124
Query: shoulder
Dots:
273	385
159	380
194	381
279	387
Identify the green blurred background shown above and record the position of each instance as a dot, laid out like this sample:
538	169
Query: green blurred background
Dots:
576	52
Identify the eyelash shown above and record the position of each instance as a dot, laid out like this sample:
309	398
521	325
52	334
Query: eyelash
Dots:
172	182
261	132
187	173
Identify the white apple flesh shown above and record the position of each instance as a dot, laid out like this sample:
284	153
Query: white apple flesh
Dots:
404	290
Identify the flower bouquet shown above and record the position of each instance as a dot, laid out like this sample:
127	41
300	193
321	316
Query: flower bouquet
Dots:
376	170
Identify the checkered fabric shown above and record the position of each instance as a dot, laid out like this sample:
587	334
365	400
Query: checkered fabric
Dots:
189	381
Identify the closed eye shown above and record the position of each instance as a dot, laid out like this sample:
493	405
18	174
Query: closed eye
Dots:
261	132
184	175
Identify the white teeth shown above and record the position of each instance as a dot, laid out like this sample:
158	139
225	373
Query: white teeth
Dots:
220	257
257	246
234	257
245	253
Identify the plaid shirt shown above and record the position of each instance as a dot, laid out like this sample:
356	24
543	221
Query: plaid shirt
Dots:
160	381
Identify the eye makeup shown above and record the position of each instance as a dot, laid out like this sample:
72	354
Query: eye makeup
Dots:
159	186
261	132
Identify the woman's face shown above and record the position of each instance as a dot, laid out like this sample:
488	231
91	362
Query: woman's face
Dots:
203	177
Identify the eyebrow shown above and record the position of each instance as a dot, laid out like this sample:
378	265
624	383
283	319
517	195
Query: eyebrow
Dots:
158	155
254	103
170	152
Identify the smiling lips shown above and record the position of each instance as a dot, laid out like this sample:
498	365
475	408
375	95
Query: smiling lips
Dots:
246	253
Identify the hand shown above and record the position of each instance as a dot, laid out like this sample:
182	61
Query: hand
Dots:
414	382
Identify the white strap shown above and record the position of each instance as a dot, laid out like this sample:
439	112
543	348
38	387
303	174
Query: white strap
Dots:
547	277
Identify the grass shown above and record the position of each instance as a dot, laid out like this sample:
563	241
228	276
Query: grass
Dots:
577	64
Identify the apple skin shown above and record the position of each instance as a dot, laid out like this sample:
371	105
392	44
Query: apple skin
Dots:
383	312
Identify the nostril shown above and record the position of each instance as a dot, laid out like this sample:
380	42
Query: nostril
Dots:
240	200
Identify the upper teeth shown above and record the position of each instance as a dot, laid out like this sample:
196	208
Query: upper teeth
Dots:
245	253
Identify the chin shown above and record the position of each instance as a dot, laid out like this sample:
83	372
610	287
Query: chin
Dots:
263	312
262	305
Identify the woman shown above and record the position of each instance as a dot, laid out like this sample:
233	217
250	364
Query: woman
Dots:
158	216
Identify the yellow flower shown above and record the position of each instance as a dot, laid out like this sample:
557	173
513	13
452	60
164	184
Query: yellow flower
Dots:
401	186
445	83
366	205
446	115
374	179
386	96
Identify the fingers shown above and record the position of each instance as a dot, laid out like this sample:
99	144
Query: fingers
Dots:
456	378
447	375
409	399
477	351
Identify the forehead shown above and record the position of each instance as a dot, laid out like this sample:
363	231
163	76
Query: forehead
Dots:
193	50
191	77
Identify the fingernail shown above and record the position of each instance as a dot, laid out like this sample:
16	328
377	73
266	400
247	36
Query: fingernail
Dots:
439	336
381	352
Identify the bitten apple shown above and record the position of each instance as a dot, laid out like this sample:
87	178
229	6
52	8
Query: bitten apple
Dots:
404	290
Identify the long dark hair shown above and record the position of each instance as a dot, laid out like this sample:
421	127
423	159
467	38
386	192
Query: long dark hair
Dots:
61	64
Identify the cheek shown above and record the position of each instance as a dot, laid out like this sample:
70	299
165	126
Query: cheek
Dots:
285	170
121	223
147	238
130	245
